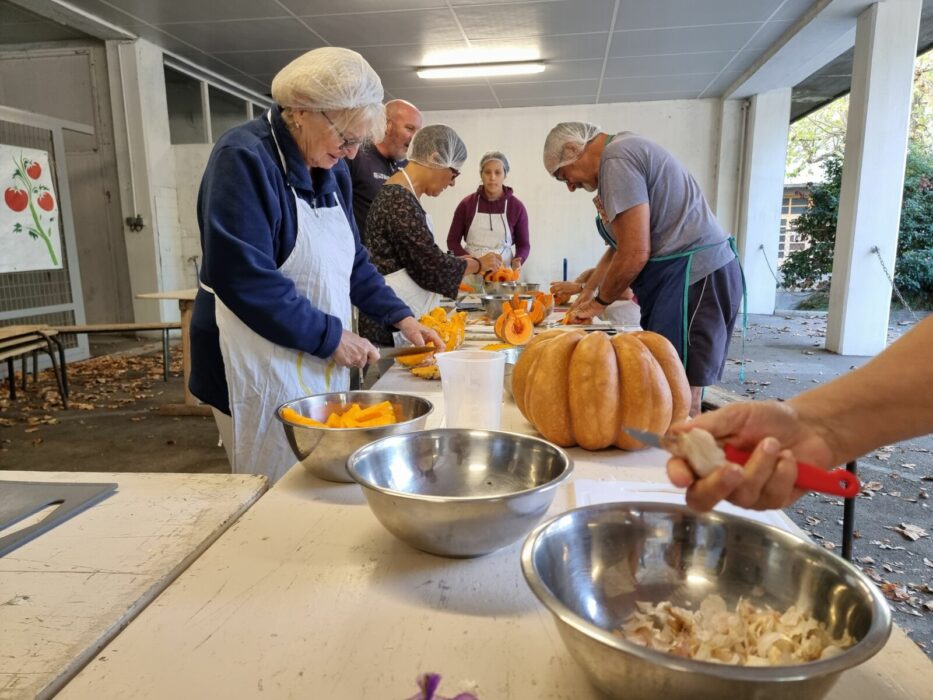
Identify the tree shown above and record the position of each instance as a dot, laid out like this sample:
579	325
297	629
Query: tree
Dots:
812	267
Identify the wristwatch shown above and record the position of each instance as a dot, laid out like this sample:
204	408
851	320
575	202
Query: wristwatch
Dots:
597	299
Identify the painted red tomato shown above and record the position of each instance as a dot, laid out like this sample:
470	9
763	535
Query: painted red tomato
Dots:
45	201
33	170
16	199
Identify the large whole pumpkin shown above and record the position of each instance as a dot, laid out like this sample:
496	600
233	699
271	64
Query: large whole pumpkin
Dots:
580	388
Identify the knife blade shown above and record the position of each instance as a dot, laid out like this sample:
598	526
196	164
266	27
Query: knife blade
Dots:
386	353
838	482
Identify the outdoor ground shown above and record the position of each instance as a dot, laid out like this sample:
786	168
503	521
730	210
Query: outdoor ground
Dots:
115	425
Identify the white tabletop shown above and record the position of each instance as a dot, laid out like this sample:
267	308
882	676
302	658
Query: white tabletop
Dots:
67	593
308	596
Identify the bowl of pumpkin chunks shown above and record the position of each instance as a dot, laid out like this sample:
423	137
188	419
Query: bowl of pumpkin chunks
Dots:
324	429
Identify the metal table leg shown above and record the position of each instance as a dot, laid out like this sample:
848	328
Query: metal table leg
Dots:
59	375
848	518
165	354
11	376
61	361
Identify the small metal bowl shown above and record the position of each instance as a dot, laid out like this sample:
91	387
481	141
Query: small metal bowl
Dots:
511	357
590	565
459	492
324	451
492	303
511	288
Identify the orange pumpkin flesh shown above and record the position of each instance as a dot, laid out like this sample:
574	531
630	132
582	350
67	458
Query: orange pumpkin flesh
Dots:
518	328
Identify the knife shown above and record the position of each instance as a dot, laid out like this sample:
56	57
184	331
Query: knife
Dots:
837	482
386	353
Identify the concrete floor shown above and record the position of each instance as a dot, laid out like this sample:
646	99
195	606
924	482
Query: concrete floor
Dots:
120	429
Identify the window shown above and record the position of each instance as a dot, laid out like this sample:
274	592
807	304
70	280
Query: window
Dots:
185	110
227	111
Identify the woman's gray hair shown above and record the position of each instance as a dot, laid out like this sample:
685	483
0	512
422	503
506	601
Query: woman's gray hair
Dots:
438	146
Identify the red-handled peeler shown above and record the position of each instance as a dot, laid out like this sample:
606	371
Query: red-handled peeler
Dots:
837	482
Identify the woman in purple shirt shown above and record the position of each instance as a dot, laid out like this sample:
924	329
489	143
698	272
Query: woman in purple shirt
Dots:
492	219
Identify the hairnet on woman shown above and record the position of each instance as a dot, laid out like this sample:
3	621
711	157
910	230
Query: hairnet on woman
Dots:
282	259
492	218
401	232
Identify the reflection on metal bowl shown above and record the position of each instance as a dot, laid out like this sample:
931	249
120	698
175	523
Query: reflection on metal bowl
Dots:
590	565
324	451
459	492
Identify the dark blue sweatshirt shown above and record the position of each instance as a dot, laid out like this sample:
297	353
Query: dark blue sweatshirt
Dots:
248	221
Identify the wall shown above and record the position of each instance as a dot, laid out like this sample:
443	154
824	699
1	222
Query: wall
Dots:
69	81
562	223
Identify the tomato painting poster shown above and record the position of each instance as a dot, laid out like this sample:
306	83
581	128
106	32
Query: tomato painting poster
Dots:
29	226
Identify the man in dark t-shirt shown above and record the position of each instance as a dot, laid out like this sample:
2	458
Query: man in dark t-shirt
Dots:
375	163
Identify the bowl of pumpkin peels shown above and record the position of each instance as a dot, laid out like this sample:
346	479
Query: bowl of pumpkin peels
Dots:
323	430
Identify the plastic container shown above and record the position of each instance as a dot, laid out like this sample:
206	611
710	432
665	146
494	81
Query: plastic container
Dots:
472	382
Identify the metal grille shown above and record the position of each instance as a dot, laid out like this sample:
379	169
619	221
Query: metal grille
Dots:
36	288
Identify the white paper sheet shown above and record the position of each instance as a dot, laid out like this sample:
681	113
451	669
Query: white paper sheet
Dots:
588	492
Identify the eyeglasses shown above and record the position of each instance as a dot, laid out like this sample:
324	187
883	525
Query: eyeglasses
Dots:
454	171
559	177
347	144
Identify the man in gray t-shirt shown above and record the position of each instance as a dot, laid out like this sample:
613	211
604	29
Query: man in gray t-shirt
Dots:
664	242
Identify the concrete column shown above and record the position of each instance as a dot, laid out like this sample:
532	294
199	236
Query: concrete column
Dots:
872	177
762	192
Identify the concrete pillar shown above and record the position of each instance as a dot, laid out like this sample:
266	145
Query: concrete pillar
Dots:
872	177
762	192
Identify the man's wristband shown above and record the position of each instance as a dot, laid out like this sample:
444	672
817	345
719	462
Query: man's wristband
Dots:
599	301
479	265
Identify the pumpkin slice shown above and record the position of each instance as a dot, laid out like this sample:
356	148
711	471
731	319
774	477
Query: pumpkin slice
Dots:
464	287
593	381
427	372
518	328
415	360
537	312
292	416
664	352
644	398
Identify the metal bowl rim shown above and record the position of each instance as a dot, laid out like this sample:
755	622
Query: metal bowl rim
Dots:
870	644
430	406
425	498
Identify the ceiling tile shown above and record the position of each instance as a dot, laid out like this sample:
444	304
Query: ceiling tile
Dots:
567	88
556	71
646	42
794	9
499	21
249	35
306	8
648	97
567	47
768	34
718	84
638	14
665	83
671	64
260	62
381	28
445	93
166	11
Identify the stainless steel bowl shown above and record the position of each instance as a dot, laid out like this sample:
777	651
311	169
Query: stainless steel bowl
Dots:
590	565
510	288
324	451
492	303
458	492
511	357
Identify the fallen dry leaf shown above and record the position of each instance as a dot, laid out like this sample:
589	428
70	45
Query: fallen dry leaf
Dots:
911	532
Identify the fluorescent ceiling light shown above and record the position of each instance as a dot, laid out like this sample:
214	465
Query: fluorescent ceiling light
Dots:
480	70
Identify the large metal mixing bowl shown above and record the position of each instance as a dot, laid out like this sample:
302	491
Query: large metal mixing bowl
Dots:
492	303
589	566
324	451
510	288
459	492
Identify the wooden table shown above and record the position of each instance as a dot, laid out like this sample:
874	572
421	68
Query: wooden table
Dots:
69	592
185	298
308	596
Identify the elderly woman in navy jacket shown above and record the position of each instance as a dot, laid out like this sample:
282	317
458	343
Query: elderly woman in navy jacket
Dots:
283	262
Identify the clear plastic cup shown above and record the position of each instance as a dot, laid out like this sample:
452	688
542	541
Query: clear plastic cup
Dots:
472	384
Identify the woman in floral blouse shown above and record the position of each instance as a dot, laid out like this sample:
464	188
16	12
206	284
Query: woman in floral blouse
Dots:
401	233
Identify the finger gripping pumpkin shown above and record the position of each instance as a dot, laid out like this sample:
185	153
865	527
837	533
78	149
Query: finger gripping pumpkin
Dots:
583	389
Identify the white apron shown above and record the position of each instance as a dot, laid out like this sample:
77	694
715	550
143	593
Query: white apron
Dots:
418	299
262	375
490	233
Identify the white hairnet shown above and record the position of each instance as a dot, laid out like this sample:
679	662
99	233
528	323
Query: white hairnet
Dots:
438	146
565	143
327	78
494	155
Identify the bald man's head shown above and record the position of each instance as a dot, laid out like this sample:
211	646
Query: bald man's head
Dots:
403	120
